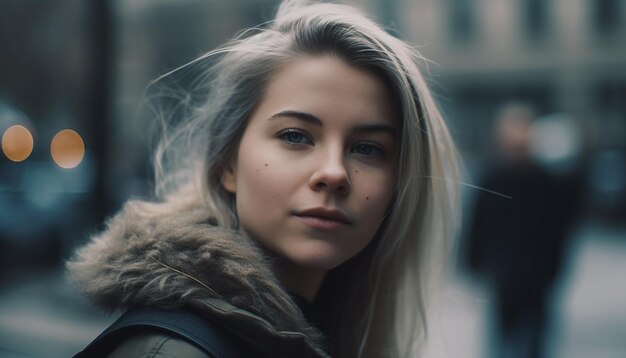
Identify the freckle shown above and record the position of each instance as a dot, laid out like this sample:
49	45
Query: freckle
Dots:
367	198
265	164
257	170
356	171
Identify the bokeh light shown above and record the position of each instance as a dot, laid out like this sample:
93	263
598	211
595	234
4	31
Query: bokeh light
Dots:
67	149
17	143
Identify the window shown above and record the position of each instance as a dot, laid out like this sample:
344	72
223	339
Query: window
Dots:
605	16
462	20
535	19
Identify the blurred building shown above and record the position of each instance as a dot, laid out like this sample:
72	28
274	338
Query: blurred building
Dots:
560	56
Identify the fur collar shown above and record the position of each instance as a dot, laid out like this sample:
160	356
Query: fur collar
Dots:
165	255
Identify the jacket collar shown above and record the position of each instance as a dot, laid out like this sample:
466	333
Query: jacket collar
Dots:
167	256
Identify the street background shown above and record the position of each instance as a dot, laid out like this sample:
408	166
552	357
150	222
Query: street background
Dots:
84	66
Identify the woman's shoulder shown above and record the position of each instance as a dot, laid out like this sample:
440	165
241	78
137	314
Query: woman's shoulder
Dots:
152	332
156	344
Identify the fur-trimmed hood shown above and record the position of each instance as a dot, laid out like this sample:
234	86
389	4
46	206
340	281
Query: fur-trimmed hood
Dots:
167	256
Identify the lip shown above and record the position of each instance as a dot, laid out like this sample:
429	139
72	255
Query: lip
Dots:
323	218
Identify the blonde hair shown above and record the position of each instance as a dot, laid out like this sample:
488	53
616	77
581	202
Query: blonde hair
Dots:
392	278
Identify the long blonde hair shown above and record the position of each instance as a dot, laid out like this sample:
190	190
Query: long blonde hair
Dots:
392	278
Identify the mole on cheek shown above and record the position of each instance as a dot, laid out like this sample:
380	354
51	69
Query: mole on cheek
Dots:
367	198
356	171
265	164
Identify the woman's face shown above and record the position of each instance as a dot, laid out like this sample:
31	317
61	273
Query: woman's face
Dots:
315	169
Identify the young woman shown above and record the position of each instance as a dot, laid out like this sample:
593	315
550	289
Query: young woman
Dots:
305	205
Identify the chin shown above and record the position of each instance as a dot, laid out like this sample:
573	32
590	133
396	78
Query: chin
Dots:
320	258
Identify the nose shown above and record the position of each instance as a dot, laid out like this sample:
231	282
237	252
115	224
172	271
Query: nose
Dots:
331	174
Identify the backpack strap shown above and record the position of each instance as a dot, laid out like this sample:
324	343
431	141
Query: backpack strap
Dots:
184	323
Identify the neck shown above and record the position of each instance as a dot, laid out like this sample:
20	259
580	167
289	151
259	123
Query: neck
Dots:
303	282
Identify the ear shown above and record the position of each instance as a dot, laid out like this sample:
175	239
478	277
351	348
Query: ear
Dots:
229	179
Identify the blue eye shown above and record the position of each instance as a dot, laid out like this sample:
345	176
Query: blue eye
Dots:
367	149
294	136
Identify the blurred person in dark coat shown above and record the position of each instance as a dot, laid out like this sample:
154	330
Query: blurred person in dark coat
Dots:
517	237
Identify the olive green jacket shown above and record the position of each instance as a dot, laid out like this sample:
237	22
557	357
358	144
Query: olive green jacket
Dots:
170	255
152	344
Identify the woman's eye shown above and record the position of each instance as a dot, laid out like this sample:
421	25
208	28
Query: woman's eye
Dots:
294	136
368	150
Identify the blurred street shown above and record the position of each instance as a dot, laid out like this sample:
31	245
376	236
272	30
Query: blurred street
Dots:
42	316
83	73
589	306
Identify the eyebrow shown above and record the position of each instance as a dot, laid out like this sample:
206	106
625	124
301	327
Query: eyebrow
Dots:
308	117
373	128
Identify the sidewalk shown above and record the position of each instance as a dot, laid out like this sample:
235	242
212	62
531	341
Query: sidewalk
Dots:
42	316
589	307
594	298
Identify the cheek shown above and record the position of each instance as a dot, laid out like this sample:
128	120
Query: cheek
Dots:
376	192
374	197
261	181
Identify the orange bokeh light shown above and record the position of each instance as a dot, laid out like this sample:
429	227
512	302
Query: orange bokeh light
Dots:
17	143
67	149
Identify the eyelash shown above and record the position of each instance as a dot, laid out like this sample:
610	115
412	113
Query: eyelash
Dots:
283	135
306	140
376	148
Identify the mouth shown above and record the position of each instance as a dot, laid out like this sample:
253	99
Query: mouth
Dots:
324	219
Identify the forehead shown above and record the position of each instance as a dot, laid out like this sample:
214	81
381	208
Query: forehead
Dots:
329	88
